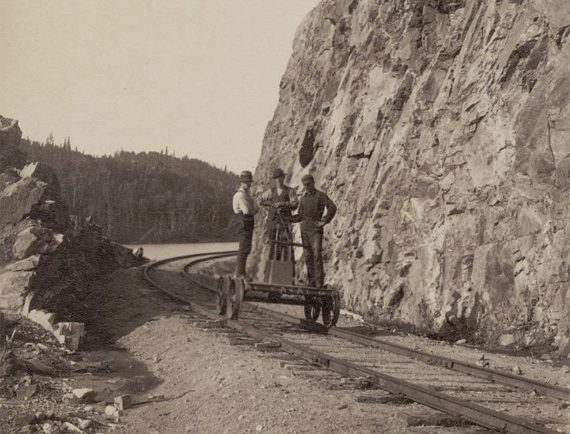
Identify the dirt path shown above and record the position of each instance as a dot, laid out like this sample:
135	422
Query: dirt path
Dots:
210	386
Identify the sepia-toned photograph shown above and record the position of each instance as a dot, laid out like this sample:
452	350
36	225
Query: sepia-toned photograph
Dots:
284	216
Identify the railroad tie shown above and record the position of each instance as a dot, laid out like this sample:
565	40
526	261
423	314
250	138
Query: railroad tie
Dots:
390	399
435	419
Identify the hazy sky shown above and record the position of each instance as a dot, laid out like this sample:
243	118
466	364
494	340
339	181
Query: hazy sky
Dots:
199	76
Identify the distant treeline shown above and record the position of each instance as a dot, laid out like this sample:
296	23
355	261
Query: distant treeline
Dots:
147	197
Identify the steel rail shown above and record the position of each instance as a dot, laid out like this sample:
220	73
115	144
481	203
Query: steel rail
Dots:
208	256
472	412
489	374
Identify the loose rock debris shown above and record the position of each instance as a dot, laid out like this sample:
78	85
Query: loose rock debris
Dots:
35	393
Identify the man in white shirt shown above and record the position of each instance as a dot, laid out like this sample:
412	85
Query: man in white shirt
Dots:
244	206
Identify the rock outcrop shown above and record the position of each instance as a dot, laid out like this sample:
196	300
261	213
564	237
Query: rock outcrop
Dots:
442	129
46	258
10	153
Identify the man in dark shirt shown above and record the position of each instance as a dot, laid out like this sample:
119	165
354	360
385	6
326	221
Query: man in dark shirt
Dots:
310	213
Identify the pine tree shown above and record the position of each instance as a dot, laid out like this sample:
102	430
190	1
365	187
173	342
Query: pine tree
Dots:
50	140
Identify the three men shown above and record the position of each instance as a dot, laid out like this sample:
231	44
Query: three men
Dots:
311	214
244	207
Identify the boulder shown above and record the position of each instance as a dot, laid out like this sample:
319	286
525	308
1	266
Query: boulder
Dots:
36	240
13	287
26	244
84	395
506	340
17	200
29	170
10	153
28	264
43	318
42	173
52	210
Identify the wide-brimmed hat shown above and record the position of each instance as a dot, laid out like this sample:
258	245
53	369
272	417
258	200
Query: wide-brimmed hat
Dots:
246	176
278	173
308	179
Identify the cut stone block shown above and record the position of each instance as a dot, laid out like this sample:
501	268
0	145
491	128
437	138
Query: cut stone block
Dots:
123	402
69	334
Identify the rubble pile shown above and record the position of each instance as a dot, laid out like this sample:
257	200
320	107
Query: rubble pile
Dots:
40	390
47	258
443	128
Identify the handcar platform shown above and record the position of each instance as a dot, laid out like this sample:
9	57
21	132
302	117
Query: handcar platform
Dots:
233	291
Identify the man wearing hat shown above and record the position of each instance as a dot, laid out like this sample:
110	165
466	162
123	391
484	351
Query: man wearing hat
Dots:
244	207
282	200
311	215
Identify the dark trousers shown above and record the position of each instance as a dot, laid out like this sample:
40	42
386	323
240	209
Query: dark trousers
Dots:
245	234
312	239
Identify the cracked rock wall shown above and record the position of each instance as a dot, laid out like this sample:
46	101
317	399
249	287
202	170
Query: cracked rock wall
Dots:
441	128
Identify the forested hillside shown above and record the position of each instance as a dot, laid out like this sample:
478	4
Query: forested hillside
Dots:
143	197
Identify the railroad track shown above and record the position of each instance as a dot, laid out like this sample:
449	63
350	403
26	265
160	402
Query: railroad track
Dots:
465	391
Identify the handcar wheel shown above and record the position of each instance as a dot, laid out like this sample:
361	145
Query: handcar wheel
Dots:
230	296
331	310
312	308
236	296
222	294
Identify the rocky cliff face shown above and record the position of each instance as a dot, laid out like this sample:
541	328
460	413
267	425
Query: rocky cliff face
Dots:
44	251
442	129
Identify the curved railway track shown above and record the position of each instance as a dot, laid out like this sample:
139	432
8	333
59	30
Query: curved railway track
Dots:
469	392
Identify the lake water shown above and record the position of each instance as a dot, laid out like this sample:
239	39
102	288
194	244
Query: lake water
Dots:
162	251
